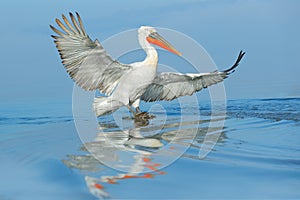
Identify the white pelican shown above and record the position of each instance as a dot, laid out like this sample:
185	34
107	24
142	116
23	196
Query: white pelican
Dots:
92	68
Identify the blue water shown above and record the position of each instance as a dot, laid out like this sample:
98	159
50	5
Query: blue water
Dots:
256	155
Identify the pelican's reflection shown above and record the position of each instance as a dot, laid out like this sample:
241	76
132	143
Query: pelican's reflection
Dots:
134	151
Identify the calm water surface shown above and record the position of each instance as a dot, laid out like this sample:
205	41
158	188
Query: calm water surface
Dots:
256	155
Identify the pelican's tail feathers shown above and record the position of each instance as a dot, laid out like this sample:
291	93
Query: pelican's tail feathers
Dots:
105	105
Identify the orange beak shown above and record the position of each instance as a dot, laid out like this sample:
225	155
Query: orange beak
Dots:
155	38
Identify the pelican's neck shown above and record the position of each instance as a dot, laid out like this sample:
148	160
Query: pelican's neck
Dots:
152	57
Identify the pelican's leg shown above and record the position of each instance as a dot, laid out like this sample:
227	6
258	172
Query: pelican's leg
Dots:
136	105
131	110
138	110
139	114
144	116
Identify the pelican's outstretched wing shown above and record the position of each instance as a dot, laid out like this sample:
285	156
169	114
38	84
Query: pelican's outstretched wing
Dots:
85	60
169	86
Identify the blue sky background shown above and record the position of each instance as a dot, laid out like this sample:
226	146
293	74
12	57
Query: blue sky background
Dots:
267	30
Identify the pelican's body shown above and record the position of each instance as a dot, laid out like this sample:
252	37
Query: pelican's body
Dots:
125	85
129	89
134	82
126	91
141	75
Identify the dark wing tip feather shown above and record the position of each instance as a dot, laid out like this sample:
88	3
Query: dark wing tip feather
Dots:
57	31
54	36
81	23
75	22
237	62
52	28
71	15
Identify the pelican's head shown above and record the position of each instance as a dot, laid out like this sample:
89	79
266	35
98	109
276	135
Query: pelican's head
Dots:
149	34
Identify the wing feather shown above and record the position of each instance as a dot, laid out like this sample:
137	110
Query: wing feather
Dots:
168	85
68	23
85	60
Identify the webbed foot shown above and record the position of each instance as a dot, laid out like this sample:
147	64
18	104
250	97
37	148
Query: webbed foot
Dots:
143	116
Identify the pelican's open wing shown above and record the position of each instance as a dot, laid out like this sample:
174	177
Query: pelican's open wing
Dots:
85	60
169	86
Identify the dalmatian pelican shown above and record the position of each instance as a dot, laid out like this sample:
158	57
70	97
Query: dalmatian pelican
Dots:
92	68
